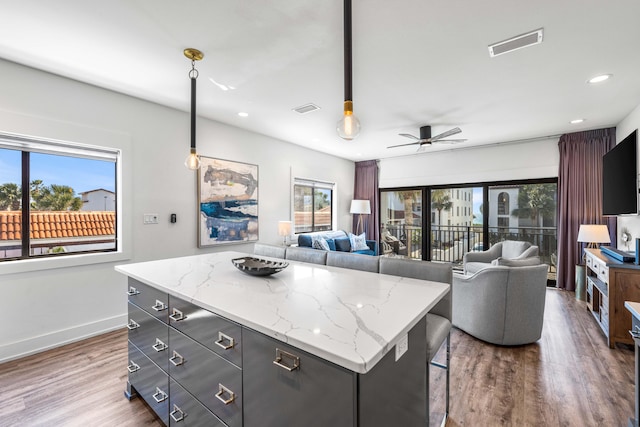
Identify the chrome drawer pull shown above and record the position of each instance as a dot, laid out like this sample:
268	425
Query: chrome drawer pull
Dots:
281	354
132	325
159	306
177	410
159	345
132	367
220	342
222	390
176	315
176	356
132	291
159	395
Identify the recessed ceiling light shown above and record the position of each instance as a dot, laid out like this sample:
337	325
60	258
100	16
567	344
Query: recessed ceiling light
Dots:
243	114
600	78
576	121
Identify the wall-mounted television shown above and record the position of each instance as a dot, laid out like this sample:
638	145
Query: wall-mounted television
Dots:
620	178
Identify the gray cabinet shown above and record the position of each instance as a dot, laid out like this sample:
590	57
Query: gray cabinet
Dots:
211	379
149	381
299	389
186	411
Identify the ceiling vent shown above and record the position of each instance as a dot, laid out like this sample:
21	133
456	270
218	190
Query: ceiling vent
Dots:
307	108
515	43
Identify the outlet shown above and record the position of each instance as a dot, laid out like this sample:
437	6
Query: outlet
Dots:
150	218
402	346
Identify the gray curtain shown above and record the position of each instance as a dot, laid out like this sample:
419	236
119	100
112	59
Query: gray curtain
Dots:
580	195
366	188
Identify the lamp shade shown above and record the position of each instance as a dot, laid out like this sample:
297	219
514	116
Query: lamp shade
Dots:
360	207
284	228
593	233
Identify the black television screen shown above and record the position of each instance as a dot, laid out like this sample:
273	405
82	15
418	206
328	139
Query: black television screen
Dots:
620	178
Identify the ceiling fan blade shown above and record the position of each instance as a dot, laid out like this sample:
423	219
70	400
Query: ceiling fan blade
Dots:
446	134
403	145
449	141
407	135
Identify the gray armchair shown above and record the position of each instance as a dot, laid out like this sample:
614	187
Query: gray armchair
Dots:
501	305
511	253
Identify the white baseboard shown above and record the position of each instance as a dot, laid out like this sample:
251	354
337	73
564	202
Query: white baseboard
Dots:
33	345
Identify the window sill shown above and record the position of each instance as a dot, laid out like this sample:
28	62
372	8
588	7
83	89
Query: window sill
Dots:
39	264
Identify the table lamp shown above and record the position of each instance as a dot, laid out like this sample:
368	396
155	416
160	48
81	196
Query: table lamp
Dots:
360	207
284	230
592	234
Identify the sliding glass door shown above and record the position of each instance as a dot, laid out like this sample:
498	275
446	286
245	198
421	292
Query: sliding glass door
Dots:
445	222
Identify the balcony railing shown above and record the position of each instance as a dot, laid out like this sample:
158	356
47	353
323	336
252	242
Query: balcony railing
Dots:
449	243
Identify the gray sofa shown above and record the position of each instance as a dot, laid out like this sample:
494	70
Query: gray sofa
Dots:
501	305
510	253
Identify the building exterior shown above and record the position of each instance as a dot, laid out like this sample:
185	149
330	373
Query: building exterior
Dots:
98	200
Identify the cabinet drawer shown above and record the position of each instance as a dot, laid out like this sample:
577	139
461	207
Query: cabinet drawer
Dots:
186	411
214	332
151	382
208	377
151	300
150	335
316	393
589	261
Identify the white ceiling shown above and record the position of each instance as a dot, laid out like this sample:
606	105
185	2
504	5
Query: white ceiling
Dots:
415	62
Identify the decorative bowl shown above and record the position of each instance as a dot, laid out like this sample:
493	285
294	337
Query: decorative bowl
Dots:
257	266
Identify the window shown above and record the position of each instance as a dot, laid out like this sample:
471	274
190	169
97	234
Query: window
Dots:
56	198
312	205
503	204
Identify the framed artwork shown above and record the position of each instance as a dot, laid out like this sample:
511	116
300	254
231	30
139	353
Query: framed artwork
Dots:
227	202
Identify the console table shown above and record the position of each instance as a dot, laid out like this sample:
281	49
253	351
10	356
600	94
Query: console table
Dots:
609	284
310	345
634	309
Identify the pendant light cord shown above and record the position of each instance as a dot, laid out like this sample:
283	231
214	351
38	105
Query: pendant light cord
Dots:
193	74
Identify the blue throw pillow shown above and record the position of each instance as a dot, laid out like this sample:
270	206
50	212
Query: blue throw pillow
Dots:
343	244
332	244
304	240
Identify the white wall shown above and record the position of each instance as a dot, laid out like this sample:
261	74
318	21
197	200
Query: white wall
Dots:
42	306
537	159
630	223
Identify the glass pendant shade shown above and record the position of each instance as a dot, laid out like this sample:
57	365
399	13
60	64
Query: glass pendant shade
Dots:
349	126
192	161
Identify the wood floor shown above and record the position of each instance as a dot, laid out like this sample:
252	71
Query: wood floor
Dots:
569	378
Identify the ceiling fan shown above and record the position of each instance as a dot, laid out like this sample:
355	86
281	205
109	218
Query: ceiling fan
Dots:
427	139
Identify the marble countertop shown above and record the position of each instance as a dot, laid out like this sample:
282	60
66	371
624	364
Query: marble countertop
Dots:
351	318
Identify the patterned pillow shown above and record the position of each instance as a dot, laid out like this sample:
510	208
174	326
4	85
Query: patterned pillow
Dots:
358	243
320	243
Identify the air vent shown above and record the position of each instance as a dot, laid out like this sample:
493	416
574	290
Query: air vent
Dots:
515	43
307	108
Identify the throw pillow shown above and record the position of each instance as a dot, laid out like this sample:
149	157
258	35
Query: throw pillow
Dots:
358	243
332	244
343	244
320	243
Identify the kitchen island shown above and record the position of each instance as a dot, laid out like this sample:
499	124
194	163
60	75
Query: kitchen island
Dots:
311	344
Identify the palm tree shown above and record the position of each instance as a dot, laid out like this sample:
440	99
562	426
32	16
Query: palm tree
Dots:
56	198
408	199
10	196
536	202
440	200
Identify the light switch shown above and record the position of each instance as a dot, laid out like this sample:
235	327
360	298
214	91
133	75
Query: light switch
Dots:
150	218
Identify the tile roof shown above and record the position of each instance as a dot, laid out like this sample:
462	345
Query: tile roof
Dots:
57	224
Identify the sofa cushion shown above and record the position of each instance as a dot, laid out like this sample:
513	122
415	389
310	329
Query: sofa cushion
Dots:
343	244
319	243
534	260
358	243
513	249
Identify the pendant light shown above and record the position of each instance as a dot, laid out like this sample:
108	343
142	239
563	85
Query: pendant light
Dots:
193	161
349	126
